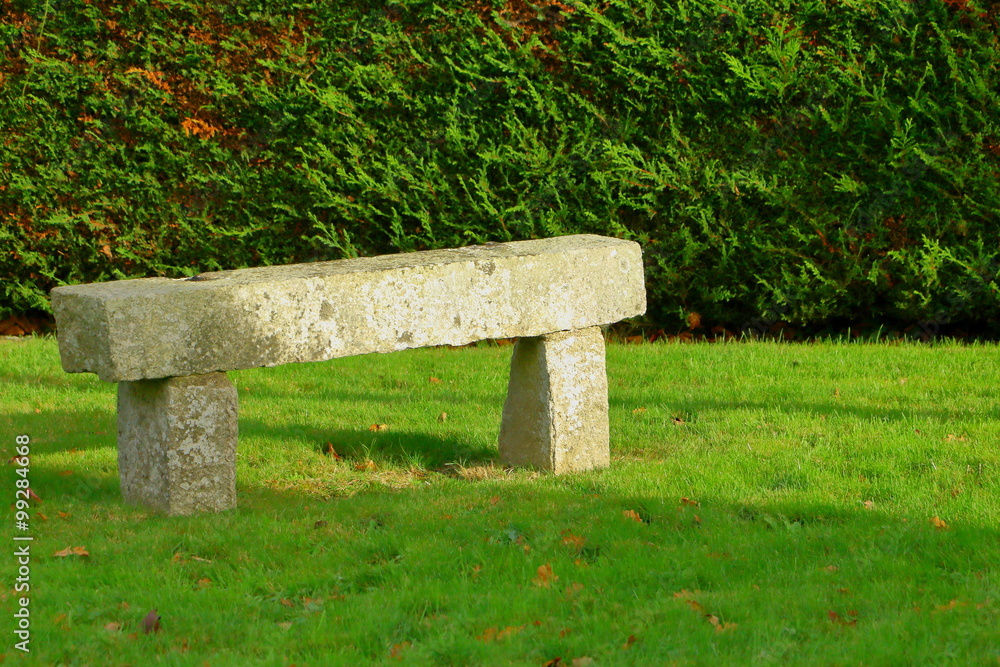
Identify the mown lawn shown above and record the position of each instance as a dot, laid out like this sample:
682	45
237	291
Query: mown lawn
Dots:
767	503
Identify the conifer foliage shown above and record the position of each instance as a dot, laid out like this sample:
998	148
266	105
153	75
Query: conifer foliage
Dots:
811	160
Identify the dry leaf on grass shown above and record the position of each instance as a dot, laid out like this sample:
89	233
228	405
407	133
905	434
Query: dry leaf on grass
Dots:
938	523
544	577
113	627
375	428
948	607
398	649
367	464
840	620
633	515
573	541
639	411
151	623
71	551
718	625
492	634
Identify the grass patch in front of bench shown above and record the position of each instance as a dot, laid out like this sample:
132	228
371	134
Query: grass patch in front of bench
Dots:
765	503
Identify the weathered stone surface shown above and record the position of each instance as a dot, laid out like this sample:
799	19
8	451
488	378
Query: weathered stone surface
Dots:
157	327
177	443
556	414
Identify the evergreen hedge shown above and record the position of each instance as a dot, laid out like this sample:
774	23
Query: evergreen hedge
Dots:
780	160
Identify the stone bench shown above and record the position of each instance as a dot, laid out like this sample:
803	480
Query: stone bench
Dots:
168	343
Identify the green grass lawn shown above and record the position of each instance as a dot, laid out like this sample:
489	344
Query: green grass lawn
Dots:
766	504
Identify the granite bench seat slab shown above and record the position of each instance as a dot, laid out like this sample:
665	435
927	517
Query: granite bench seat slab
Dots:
151	328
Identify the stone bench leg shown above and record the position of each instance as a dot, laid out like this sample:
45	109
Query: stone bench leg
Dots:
556	414
177	443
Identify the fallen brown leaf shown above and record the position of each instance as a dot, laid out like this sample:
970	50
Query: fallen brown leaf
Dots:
443	417
374	428
573	541
688	501
71	551
492	634
331	452
582	661
694	604
397	650
151	623
629	642
544	577
948	607
434	380
113	627
639	411
719	626
840	620
632	514
367	464
938	523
